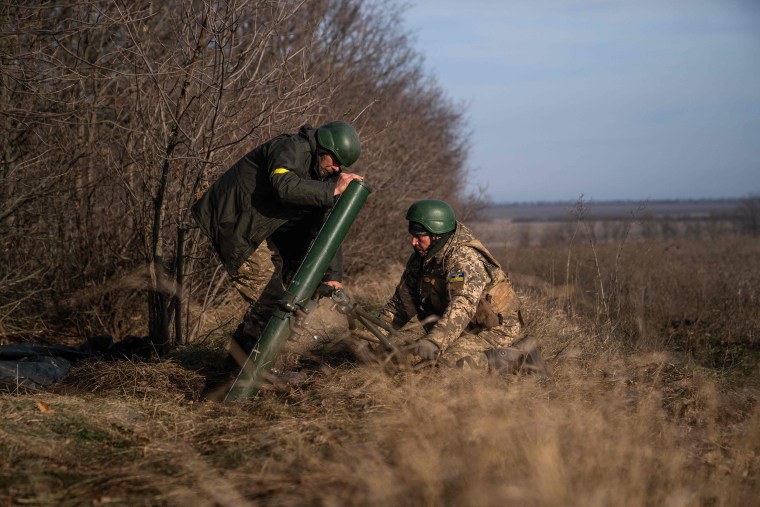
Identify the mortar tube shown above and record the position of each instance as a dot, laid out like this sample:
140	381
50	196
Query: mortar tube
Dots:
305	282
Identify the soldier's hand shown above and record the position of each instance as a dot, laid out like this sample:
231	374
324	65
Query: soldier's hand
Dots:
341	184
426	349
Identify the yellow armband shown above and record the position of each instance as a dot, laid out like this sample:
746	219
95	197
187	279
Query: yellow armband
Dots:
279	170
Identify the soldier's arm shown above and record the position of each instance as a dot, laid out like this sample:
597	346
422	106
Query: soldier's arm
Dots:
403	304
466	278
291	181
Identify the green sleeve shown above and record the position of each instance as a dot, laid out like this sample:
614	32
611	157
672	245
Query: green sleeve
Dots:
288	166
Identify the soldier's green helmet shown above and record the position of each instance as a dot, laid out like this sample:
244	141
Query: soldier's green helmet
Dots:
434	216
340	139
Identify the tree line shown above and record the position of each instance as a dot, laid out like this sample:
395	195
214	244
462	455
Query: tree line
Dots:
117	115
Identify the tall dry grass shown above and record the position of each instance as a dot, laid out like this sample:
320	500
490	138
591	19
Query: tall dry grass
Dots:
620	432
621	421
696	297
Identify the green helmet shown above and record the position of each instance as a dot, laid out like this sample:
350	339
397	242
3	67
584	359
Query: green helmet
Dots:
340	139
436	217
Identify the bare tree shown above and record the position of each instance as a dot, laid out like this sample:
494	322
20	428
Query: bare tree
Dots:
117	115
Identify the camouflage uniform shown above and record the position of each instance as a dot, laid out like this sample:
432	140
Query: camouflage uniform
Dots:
259	283
463	298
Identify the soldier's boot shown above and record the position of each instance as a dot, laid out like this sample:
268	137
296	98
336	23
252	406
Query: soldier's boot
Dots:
505	360
534	360
242	342
523	355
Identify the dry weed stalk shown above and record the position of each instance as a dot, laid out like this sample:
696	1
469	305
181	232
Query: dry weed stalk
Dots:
615	424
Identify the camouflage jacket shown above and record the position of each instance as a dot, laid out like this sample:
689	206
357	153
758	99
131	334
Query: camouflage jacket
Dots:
461	287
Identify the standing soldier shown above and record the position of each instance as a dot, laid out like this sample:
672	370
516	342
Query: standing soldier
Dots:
460	294
262	214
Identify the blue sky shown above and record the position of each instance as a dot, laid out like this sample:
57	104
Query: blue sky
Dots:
610	99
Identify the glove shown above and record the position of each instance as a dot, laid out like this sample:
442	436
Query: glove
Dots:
426	349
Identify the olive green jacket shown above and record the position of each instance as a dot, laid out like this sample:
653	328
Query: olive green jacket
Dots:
274	185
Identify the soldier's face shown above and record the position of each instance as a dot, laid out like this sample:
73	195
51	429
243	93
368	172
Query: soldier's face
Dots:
421	243
328	165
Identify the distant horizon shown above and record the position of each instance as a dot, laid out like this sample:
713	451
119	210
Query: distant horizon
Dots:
615	209
493	202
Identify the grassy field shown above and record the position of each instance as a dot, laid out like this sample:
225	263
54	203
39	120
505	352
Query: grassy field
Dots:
652	400
564	210
552	223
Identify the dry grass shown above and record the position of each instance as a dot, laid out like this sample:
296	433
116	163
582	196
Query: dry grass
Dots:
699	298
616	424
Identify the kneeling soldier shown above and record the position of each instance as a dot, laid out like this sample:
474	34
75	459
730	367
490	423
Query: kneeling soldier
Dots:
460	294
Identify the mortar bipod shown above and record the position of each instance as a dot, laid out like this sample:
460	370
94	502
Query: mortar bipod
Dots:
353	312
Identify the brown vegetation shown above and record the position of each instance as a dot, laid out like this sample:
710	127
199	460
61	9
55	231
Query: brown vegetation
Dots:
116	116
695	293
625	418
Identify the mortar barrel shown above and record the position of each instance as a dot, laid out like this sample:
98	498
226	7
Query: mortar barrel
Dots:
327	242
301	289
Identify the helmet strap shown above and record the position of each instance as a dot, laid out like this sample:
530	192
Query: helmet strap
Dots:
436	244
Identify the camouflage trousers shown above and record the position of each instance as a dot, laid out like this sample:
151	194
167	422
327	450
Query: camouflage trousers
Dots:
260	283
472	350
